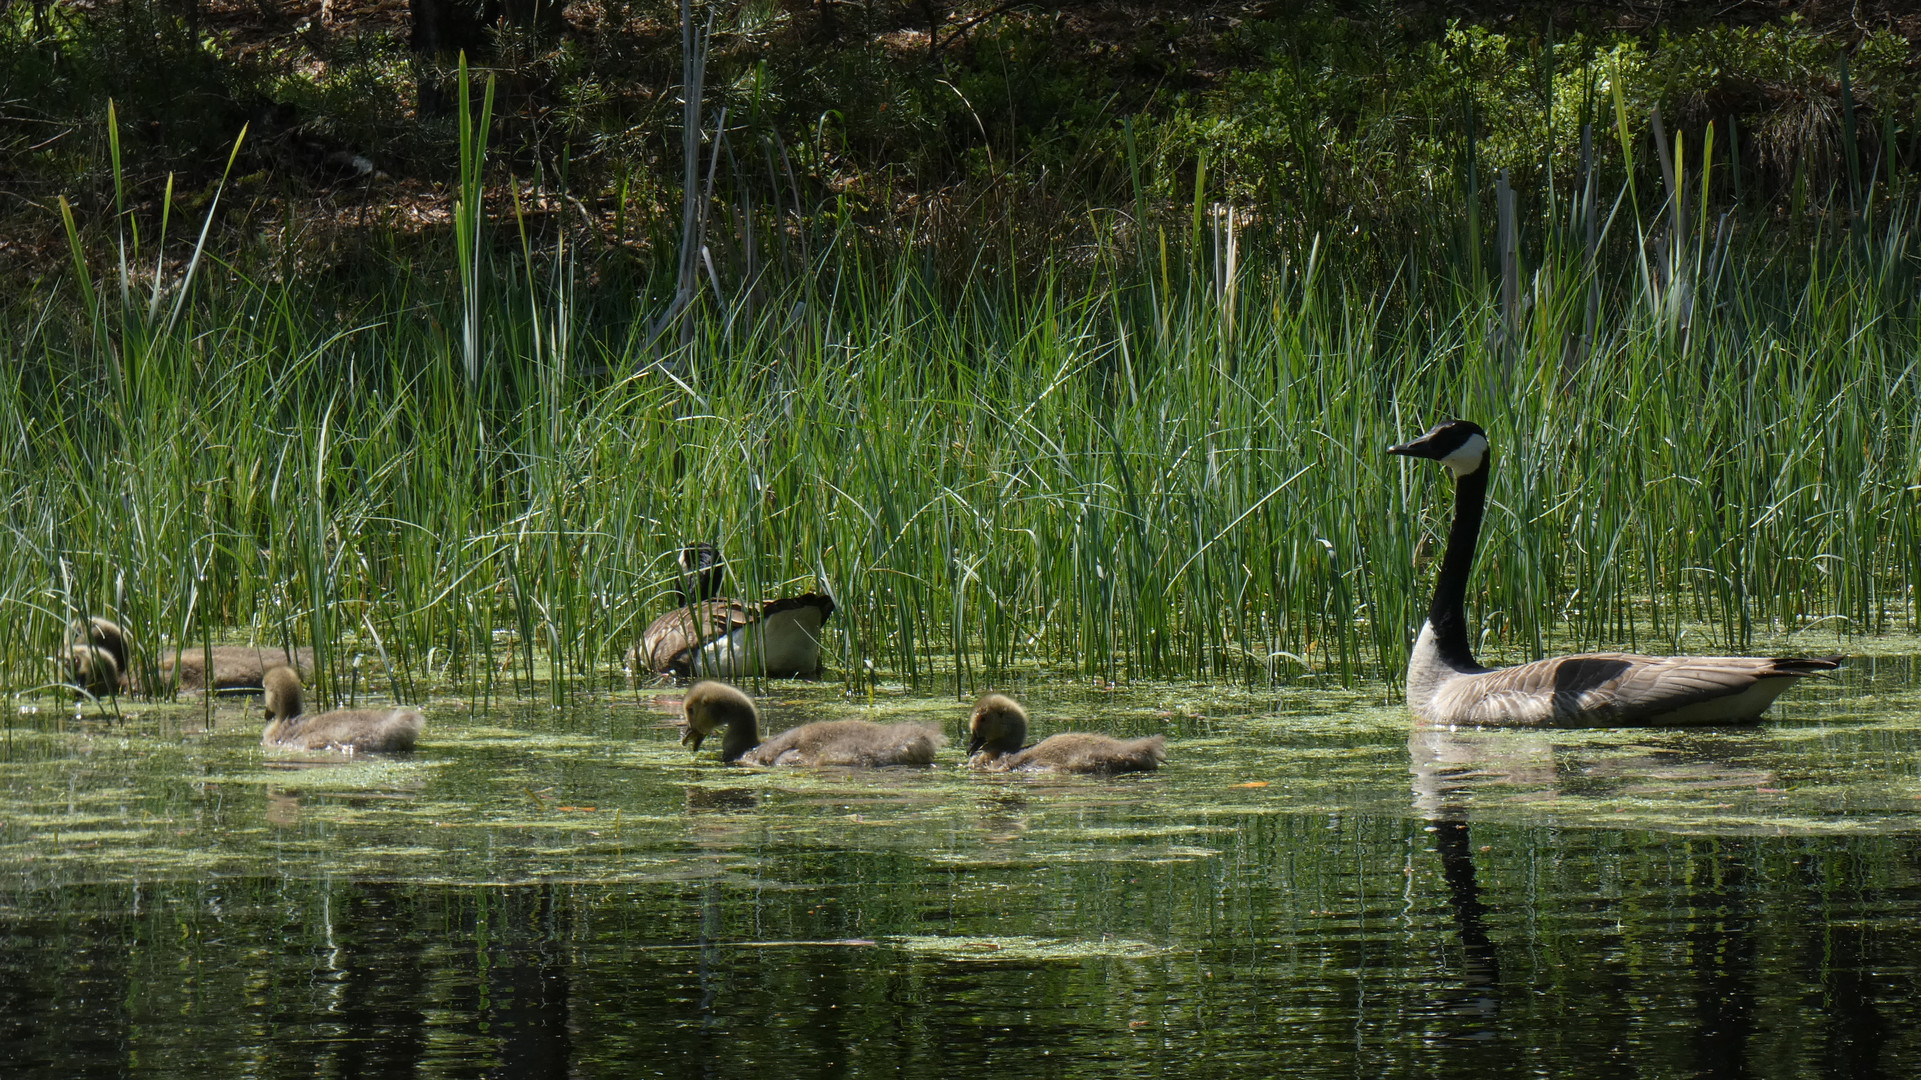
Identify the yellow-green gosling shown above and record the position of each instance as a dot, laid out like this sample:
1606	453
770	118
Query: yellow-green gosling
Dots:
998	726
97	656
235	667
93	670
352	730
856	743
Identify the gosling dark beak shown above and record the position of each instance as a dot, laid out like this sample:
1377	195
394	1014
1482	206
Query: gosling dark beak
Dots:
692	737
974	744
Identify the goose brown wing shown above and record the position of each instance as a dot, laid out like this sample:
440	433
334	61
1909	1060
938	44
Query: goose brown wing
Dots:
670	642
1614	688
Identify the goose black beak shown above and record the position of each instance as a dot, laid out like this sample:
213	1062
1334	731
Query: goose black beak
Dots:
1422	447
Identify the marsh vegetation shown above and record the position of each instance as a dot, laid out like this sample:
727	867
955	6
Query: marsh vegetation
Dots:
1081	396
1146	446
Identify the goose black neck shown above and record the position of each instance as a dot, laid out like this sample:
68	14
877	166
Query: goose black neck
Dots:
1447	614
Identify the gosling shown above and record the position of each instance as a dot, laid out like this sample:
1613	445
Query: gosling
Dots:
352	730
97	656
851	743
999	725
94	671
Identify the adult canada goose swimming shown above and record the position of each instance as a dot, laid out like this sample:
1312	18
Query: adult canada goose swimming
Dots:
709	635
856	743
1446	686
381	730
998	726
235	667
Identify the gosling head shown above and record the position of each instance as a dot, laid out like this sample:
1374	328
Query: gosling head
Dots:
701	568
997	725
94	669
104	634
1460	445
710	705
280	693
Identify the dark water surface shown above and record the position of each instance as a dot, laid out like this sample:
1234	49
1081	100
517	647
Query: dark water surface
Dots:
1306	890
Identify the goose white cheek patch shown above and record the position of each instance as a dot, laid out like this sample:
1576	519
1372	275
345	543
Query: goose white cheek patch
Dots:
1467	458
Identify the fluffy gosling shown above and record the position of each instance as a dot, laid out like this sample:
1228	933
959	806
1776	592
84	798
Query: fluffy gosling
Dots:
998	726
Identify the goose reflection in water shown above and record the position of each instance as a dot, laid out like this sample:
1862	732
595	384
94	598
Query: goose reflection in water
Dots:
702	800
1453	771
1003	817
1457	770
1445	765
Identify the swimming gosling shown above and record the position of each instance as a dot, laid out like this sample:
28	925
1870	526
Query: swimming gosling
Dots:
999	725
352	730
855	743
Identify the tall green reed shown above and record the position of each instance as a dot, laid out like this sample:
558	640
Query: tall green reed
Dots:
1159	457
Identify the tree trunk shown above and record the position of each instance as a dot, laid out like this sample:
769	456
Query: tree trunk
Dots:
443	29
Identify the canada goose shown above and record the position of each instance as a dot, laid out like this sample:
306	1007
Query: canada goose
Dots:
708	635
858	743
999	725
381	730
1446	686
235	667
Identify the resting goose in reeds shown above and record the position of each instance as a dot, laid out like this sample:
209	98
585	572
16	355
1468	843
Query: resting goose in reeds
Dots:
1446	686
853	743
235	667
710	635
998	726
352	730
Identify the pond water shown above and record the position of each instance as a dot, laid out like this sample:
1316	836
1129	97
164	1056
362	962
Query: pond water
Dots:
1306	889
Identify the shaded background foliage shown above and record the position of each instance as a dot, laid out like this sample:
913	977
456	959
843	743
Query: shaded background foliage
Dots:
965	117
